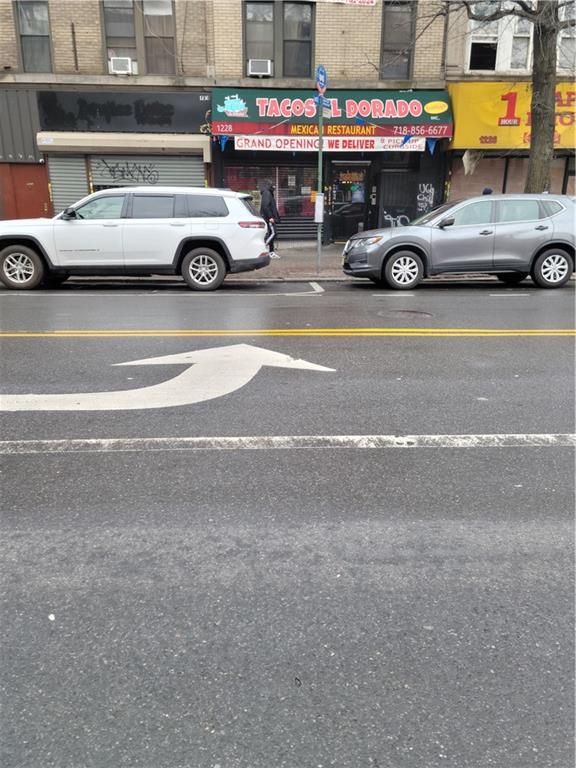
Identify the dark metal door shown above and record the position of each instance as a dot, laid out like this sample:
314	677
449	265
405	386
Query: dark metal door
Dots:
397	198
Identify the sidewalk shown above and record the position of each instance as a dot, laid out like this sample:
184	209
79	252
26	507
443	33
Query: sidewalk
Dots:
299	261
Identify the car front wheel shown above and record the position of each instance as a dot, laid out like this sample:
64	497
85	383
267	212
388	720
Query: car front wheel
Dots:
203	269
552	268
404	270
20	268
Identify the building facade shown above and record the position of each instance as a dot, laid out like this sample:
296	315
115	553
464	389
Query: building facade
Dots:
488	74
121	92
96	93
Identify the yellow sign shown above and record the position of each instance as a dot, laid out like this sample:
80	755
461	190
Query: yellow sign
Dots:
497	115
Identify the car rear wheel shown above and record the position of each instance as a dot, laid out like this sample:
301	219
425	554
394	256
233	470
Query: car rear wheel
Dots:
203	269
512	278
403	270
552	268
20	268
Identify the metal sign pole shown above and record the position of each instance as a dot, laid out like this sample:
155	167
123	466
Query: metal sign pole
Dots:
320	193
321	85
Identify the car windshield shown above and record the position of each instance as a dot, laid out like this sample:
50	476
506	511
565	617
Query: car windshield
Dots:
426	218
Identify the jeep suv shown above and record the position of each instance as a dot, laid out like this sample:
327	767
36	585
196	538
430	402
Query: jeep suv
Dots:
201	234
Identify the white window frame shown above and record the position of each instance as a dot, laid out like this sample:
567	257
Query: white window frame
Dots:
504	38
508	30
566	34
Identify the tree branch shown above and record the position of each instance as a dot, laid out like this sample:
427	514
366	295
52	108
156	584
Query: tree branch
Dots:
522	10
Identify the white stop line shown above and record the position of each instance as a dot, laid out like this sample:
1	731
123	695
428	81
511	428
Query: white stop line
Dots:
286	442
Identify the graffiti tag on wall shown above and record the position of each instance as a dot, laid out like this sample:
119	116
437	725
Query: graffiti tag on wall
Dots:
425	198
129	172
395	221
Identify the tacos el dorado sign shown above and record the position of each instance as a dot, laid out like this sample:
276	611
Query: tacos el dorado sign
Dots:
354	113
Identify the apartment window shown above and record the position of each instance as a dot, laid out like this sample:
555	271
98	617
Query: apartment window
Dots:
143	31
34	28
398	24
259	30
159	36
120	31
505	45
297	39
483	41
567	40
282	32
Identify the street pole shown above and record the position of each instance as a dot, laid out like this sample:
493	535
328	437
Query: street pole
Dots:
321	85
320	186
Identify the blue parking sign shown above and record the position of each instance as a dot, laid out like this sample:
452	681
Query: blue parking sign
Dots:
321	78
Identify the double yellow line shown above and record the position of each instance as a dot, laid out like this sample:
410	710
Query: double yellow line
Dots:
320	332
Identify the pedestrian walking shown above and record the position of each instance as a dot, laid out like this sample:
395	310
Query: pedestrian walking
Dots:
270	214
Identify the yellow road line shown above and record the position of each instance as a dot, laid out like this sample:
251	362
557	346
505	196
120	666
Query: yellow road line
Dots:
326	332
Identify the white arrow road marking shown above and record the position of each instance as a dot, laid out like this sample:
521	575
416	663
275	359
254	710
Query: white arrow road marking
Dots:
284	442
212	373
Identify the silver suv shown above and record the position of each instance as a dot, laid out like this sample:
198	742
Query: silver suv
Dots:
510	236
201	234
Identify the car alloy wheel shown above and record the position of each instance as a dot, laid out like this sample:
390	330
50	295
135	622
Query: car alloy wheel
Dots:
403	270
20	267
554	268
203	269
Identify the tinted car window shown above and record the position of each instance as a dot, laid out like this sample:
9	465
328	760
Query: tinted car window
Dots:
518	210
475	213
551	207
152	207
206	205
248	203
109	207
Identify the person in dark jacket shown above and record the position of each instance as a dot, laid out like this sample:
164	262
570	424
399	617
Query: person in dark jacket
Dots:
270	214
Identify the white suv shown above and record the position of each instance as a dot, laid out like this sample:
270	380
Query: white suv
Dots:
201	234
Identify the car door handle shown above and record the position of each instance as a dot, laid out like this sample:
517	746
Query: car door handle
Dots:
541	227
110	225
176	223
487	232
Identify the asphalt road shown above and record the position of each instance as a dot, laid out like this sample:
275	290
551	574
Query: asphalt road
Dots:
289	606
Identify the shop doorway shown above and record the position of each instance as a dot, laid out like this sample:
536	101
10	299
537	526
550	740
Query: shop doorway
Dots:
397	198
347	198
295	194
24	191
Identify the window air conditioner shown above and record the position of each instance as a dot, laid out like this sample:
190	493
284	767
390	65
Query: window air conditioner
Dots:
260	68
120	65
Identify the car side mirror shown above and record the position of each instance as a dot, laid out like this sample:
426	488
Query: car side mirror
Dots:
446	223
69	213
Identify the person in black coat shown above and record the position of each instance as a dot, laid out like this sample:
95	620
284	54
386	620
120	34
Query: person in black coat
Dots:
269	213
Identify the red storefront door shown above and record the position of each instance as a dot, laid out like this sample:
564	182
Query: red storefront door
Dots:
24	191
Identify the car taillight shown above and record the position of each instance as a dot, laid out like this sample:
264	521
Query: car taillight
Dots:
252	224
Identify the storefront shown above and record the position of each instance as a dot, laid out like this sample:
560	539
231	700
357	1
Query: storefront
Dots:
24	192
384	159
491	140
97	140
